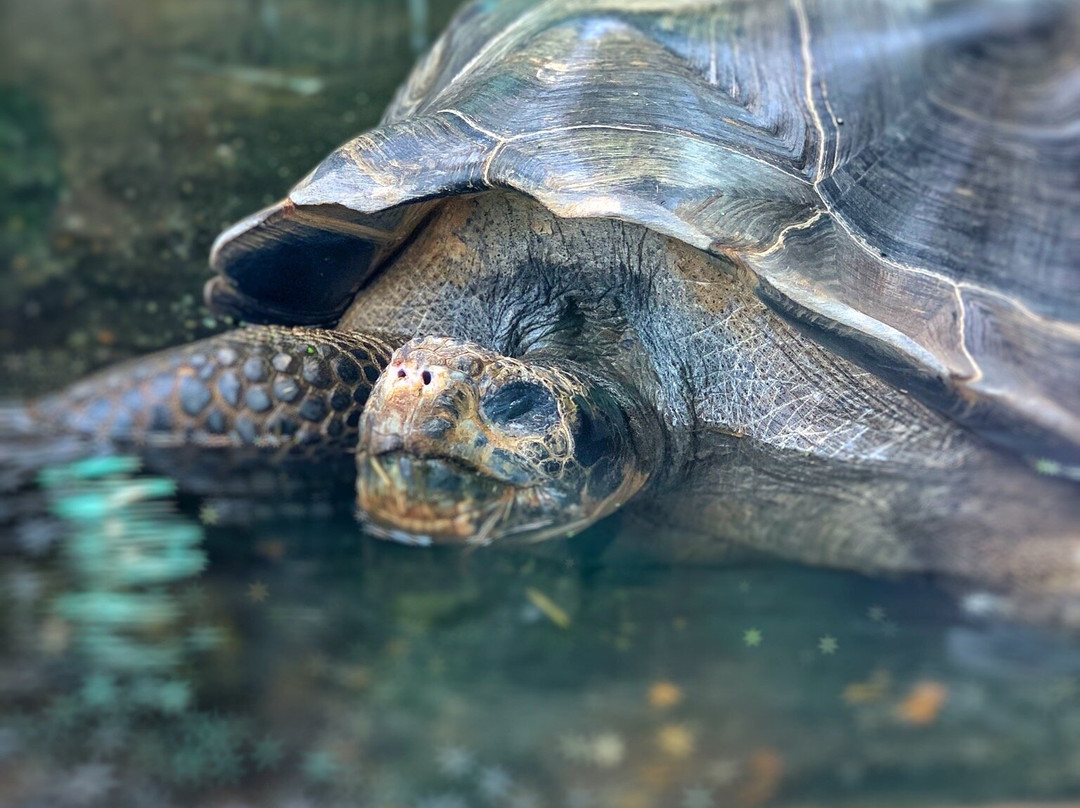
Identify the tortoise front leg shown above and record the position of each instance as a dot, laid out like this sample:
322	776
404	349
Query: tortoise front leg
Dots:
255	399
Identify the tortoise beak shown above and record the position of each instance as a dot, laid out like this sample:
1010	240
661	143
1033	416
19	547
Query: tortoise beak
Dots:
425	470
425	500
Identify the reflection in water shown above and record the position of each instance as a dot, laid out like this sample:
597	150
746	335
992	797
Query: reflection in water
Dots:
124	550
306	665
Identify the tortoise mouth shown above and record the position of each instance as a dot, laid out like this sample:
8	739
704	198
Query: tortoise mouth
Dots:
427	500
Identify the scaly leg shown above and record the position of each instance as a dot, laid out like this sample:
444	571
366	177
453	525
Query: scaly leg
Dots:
220	412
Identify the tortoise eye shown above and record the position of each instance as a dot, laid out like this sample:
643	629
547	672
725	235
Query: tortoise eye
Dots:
522	405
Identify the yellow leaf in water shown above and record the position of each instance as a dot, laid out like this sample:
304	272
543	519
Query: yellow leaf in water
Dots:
664	694
550	608
676	740
922	705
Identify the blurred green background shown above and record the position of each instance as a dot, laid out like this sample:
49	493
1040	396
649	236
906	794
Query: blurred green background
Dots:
132	132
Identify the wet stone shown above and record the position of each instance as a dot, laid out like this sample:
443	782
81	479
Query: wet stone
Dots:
254	369
313	409
226	357
257	399
281	362
194	395
229	387
285	389
340	399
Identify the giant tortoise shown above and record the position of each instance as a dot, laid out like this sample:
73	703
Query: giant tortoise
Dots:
795	276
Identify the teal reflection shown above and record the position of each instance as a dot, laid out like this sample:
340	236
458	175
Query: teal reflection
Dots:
114	647
126	547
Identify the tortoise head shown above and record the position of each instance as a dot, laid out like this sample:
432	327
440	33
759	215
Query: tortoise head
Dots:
461	444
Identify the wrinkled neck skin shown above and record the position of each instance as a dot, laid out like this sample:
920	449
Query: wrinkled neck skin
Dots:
751	434
493	270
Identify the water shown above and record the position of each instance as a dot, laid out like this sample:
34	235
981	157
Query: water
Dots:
152	656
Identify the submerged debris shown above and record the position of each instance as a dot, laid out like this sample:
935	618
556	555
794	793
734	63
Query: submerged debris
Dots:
555	613
923	704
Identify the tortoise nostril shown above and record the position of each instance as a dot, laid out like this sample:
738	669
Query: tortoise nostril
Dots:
401	374
426	377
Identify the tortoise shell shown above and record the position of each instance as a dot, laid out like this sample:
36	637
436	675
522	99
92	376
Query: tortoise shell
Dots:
903	177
